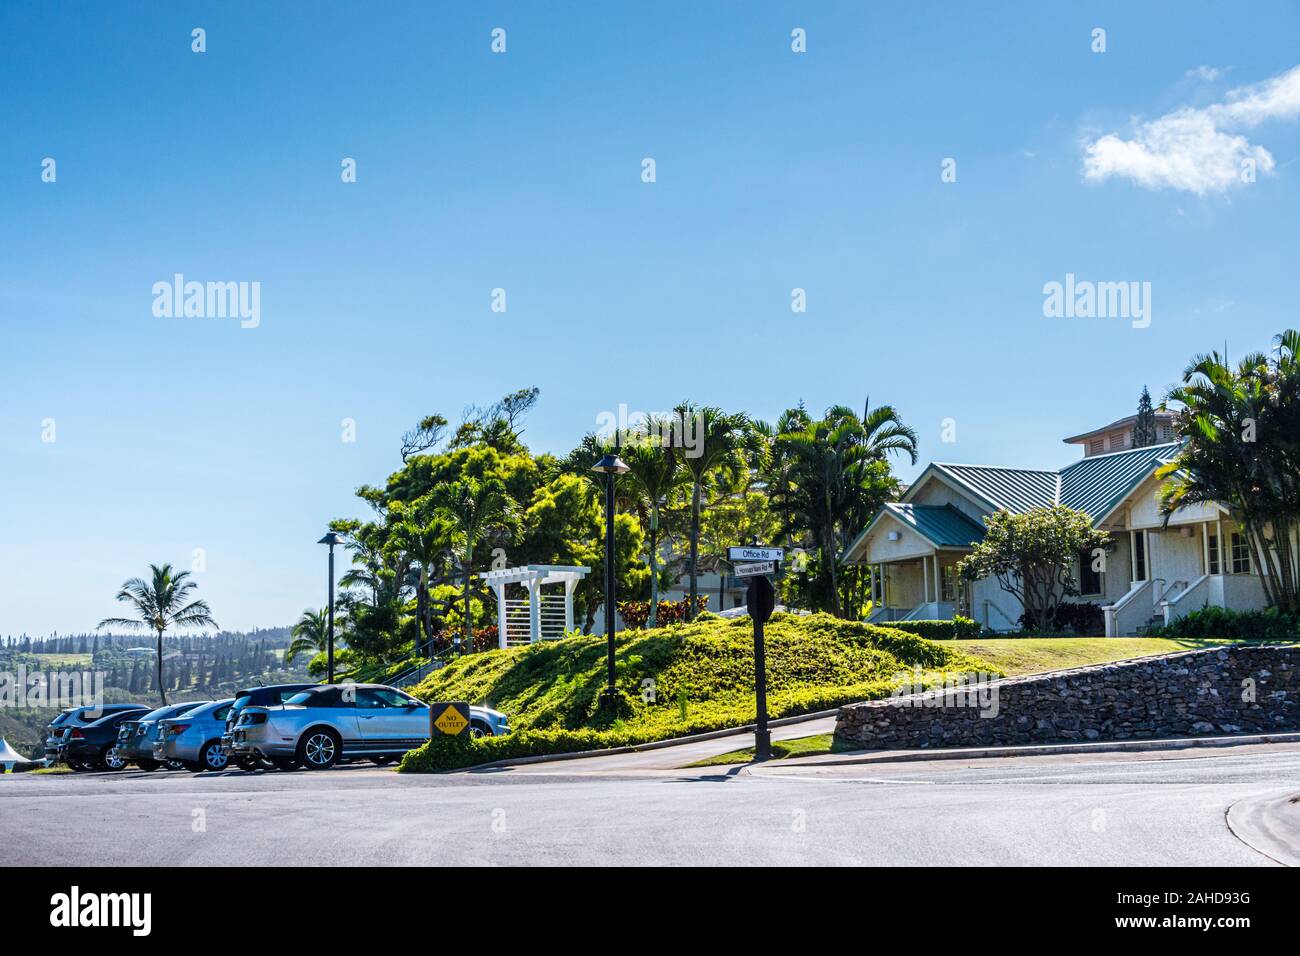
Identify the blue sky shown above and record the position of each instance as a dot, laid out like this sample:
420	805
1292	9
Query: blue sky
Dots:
522	171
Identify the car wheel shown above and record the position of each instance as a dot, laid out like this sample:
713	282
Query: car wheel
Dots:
319	749
174	764
285	763
211	757
147	765
78	767
193	767
112	759
477	730
384	761
248	764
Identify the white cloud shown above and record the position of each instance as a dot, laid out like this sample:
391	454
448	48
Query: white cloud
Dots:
1207	73
1197	149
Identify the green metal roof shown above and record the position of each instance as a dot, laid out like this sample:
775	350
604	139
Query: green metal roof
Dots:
1016	489
1099	483
942	525
1095	484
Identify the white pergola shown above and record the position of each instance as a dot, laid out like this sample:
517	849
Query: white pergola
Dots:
539	616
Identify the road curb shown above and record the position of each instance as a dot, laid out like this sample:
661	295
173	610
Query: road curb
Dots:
651	745
1037	750
1270	827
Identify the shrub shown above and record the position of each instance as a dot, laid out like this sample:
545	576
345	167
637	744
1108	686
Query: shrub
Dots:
637	613
959	628
1266	625
550	690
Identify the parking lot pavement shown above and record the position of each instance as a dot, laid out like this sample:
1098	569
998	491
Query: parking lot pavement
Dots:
1114	809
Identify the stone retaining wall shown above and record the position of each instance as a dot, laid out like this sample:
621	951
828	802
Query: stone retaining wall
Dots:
1239	689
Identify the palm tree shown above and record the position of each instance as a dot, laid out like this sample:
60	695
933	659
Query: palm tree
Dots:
721	438
159	604
473	507
310	634
654	472
1241	445
834	476
425	537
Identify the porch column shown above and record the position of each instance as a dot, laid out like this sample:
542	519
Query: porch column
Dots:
1132	558
1205	547
925	580
500	591
569	585
938	580
1225	567
534	611
871	584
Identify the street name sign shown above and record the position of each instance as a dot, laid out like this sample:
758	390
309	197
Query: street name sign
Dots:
761	567
754	552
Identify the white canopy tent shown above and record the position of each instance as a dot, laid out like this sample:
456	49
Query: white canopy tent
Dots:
539	616
9	757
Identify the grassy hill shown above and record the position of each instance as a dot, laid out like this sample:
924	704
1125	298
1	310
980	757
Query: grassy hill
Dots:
1033	655
701	674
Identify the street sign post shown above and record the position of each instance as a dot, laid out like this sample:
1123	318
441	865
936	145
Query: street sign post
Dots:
761	598
755	562
448	719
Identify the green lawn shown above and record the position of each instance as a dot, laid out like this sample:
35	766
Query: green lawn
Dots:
65	660
1033	655
781	749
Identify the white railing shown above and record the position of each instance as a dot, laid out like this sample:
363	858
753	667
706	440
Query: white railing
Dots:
1193	595
1130	611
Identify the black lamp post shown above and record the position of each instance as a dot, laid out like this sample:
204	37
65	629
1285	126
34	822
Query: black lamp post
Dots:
611	466
331	538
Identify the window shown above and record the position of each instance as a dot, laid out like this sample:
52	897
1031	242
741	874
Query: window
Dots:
1214	554
1240	554
948	583
1118	441
1139	556
221	713
1089	579
374	698
1097	446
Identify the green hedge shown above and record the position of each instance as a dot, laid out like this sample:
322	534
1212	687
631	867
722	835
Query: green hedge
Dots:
1267	625
959	629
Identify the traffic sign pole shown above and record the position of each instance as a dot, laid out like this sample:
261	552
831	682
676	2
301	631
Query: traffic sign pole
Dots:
761	599
762	736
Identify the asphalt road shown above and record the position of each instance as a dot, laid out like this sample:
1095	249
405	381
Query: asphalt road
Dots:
1165	808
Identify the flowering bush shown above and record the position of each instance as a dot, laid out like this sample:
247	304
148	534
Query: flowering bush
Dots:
637	613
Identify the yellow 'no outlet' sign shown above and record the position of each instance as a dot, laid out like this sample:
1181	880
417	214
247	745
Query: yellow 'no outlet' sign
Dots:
449	719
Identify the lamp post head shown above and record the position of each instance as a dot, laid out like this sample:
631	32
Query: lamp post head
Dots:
332	538
610	464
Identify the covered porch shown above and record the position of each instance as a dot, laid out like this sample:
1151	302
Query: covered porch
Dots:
912	552
1199	558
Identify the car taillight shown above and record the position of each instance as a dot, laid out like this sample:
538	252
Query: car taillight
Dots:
248	719
78	735
178	728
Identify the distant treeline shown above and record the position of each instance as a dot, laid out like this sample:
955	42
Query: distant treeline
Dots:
91	643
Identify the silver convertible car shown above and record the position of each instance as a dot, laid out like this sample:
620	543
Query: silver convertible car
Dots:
317	728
